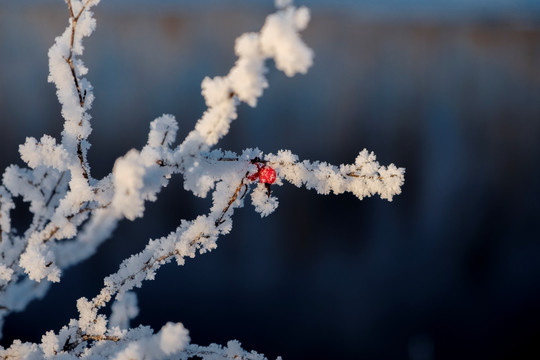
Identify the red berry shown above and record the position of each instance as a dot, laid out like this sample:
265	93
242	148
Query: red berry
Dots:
267	175
253	177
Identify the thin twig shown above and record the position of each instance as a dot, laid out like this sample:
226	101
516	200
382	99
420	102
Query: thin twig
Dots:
219	220
101	338
54	192
55	229
70	9
82	9
150	263
164	137
69	60
80	155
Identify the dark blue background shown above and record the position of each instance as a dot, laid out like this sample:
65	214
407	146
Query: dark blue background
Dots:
449	270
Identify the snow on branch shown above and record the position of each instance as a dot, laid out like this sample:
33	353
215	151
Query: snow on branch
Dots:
279	40
67	204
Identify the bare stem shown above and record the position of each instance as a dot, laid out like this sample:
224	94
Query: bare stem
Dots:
82	94
233	198
100	338
54	191
99	301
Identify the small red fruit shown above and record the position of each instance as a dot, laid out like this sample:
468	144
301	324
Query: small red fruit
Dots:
267	175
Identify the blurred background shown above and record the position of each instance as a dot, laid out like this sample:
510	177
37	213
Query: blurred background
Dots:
449	90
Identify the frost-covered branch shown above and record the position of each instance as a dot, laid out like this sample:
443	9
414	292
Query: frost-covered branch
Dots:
233	350
67	204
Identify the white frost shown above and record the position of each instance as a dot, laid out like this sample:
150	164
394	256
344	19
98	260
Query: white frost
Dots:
280	40
128	175
124	309
173	338
262	201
